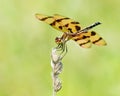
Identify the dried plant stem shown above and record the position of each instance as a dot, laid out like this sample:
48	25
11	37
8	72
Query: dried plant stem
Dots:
57	66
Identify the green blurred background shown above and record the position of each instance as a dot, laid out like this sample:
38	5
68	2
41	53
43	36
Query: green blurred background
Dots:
26	43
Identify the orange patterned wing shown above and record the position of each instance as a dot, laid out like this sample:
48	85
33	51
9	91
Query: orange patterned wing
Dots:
86	39
51	21
67	23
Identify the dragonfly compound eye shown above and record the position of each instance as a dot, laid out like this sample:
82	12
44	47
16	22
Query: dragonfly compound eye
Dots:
58	40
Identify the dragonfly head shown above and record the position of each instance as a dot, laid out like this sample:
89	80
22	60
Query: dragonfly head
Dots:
58	40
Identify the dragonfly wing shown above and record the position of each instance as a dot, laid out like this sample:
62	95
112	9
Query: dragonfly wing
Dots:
86	39
97	39
68	24
83	40
49	20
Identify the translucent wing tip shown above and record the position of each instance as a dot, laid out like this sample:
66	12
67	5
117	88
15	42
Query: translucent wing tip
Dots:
37	15
101	43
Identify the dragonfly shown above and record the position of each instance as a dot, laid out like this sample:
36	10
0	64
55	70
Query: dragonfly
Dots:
72	30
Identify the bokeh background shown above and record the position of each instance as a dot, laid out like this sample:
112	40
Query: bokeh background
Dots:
26	43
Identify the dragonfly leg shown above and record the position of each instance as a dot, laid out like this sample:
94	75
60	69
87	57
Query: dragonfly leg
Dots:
64	52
